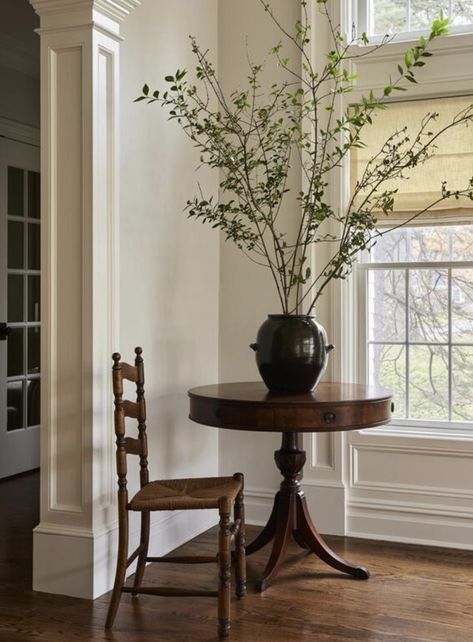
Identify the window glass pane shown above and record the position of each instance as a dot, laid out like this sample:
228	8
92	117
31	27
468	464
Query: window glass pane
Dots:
33	350
462	306
15	245
14	405
33	298
15	191
391	248
387	367
15	298
33	195
441	243
389	16
15	352
428	382
428	305
33	402
429	244
462	243
33	246
387	305
424	12
462	12
462	389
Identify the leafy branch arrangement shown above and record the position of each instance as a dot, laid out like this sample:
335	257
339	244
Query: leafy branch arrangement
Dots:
255	135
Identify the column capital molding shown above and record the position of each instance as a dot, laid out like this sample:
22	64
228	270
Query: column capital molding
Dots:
65	10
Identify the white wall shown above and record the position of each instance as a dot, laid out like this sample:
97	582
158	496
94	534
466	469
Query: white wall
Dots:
247	293
169	275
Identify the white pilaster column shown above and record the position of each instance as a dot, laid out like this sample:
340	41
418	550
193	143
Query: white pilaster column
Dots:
326	469
74	544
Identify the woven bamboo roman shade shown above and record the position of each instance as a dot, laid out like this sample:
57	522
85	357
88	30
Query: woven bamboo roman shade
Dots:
453	160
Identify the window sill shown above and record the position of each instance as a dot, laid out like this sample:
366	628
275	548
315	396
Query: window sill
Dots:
460	42
444	431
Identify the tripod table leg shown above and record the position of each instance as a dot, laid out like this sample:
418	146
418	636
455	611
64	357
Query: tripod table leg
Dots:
306	529
284	528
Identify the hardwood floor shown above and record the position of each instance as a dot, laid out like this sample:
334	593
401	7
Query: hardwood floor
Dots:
415	594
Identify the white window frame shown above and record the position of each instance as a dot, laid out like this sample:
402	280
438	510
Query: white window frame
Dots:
361	12
361	279
449	74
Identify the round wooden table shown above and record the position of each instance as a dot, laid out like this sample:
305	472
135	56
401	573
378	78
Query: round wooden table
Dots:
331	407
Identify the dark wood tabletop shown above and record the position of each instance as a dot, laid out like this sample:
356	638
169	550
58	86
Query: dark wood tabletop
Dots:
250	406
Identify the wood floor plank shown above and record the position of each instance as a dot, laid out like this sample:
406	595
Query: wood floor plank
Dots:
415	594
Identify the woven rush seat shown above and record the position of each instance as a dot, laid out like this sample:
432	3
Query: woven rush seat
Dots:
178	494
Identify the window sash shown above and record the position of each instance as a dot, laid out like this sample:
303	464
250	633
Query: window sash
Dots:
362	270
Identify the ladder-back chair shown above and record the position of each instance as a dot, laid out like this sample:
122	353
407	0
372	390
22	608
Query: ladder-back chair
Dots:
177	494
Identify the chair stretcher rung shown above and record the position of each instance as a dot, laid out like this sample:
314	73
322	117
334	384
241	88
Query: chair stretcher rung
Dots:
134	555
184	559
168	591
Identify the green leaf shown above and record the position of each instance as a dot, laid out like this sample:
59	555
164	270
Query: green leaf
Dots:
408	59
145	90
169	78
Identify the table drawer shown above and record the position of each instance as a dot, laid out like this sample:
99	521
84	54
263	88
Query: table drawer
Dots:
333	417
228	415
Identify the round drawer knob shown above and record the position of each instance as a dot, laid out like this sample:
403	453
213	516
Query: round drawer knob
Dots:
329	417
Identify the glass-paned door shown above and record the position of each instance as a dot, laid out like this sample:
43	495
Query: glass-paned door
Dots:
20	322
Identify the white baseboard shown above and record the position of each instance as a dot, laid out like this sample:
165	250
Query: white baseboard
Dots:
258	505
80	563
412	523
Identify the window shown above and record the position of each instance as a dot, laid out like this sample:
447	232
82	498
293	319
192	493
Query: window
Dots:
379	17
416	285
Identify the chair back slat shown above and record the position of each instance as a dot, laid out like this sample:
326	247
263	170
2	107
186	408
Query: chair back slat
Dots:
134	410
129	372
132	446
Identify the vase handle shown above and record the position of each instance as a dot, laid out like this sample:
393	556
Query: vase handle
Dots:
329	348
254	346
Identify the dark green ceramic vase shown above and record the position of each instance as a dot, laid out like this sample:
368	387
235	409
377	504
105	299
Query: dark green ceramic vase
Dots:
291	352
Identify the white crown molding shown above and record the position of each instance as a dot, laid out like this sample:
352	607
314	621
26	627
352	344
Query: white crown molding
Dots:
116	10
19	132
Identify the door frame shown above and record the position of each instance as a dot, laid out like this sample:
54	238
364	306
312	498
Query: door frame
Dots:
16	132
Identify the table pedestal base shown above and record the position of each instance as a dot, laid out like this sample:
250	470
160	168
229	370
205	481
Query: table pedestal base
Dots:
290	518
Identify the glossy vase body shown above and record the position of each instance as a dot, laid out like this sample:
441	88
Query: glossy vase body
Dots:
291	352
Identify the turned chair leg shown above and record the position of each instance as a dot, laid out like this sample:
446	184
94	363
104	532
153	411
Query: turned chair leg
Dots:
240	569
122	558
224	562
144	543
